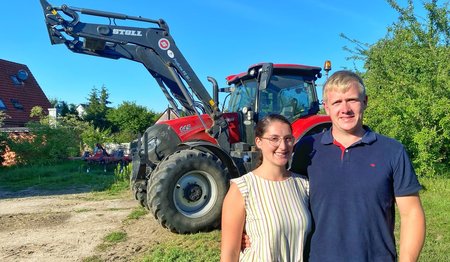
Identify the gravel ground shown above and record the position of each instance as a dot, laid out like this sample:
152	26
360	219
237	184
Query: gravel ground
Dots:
69	226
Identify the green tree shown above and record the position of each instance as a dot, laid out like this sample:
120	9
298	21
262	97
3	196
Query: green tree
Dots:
131	119
37	111
53	101
97	108
63	107
407	79
92	135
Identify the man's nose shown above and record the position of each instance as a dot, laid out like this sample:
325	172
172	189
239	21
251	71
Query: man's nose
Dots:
345	107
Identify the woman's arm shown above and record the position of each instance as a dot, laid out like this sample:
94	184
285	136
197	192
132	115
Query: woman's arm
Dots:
233	220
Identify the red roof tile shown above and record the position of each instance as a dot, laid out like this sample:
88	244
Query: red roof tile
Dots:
28	94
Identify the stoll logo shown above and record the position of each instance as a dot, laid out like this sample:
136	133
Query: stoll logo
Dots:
127	32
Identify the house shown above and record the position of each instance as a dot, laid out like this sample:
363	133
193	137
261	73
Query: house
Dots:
81	110
168	114
19	93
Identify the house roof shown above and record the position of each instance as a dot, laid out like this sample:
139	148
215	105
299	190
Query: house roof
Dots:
19	93
168	114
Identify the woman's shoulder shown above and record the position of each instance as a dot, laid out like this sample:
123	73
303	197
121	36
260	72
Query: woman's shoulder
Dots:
301	180
242	178
299	176
243	183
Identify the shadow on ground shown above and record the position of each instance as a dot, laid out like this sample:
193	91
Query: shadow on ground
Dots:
32	192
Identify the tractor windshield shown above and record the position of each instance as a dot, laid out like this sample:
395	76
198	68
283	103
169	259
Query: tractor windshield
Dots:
290	95
243	96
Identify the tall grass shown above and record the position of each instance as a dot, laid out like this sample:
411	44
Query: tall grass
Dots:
436	202
67	175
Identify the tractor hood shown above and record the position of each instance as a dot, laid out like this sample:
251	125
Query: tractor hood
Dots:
164	137
190	128
159	141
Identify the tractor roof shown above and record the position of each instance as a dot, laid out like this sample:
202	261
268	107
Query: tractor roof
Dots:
278	69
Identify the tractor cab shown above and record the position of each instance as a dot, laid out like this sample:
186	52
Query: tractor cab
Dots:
289	91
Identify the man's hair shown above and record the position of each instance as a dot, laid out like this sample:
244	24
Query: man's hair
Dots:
340	81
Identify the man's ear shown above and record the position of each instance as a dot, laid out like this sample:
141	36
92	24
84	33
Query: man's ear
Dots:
327	109
365	101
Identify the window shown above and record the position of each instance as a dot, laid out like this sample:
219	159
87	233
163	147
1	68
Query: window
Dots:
19	78
16	104
16	81
2	105
243	96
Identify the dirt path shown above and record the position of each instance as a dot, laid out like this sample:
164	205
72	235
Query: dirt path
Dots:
70	227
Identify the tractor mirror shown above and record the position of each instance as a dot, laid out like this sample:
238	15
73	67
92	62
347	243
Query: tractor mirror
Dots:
264	75
226	89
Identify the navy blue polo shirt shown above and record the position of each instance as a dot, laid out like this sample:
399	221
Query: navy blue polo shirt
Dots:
352	195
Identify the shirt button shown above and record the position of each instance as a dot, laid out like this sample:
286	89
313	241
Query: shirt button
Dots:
346	150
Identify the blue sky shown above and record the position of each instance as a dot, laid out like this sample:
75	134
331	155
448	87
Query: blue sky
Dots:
218	38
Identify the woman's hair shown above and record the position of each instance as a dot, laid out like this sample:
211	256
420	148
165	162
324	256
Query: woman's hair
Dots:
341	81
263	124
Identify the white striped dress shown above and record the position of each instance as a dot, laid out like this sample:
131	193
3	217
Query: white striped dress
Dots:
277	217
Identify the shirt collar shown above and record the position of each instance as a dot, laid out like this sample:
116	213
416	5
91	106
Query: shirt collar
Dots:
368	138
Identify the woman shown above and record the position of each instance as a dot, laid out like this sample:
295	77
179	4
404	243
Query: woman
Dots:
270	202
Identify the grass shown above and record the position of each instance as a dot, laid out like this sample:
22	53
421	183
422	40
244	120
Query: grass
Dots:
111	239
69	174
115	237
137	213
183	248
436	202
435	199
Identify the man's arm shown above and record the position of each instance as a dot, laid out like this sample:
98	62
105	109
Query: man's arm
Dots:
412	227
233	220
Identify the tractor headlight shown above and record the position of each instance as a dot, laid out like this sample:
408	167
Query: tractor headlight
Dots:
153	143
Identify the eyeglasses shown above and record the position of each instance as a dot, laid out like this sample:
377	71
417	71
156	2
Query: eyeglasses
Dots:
276	140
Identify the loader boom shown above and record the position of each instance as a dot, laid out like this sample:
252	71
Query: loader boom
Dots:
152	46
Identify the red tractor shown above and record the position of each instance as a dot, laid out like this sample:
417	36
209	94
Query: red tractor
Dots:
181	167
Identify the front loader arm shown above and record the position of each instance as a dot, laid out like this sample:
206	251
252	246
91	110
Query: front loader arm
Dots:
154	47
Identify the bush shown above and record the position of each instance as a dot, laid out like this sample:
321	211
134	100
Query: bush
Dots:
3	137
45	145
409	87
92	135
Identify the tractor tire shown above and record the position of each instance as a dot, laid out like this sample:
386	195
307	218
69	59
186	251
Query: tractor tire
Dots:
138	184
186	191
138	187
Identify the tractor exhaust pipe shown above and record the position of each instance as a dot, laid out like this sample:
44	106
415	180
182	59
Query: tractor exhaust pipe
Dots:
215	89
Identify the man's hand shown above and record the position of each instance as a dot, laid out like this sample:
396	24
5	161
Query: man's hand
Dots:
245	243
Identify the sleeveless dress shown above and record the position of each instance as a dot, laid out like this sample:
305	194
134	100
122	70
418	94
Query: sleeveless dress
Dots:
277	219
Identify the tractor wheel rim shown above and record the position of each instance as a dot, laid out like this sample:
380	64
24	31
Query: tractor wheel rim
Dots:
195	194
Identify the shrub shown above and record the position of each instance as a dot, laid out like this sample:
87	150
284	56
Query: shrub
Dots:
45	144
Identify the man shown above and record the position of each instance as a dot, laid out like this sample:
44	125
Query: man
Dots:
356	177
